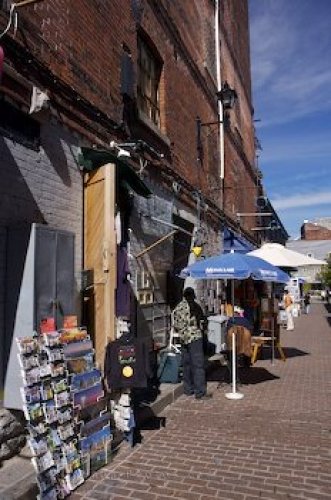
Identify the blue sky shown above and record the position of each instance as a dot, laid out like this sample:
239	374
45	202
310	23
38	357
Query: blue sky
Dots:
291	78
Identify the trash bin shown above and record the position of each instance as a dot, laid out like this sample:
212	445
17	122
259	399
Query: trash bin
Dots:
216	333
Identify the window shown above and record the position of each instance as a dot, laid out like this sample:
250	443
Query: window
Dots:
149	73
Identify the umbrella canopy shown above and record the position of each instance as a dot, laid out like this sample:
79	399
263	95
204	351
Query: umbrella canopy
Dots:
235	266
280	256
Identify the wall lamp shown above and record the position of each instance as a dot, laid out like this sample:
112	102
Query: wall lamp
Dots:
228	97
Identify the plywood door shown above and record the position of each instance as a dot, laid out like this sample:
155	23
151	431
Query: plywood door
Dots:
100	254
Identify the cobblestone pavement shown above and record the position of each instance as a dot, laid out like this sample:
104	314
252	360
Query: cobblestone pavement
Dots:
273	444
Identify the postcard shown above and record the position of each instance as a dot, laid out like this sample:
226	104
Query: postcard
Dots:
37	429
72	335
88	396
54	354
72	458
27	345
85	380
95	425
77	349
28	362
53	439
97	445
50	494
43	462
57	369
62	399
47	325
75	479
31	394
60	386
64	415
84	415
52	338
50	411
66	431
31	377
33	411
59	460
70	322
38	446
46	390
47	479
80	365
63	487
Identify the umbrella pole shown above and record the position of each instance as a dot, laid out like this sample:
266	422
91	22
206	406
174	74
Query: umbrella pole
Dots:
233	394
272	327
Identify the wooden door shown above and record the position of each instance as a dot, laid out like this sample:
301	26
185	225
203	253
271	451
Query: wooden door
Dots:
100	255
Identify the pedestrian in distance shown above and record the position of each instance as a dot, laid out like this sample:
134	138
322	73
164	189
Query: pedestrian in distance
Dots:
189	322
306	301
288	304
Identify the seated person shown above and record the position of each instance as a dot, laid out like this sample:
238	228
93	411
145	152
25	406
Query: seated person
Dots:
242	328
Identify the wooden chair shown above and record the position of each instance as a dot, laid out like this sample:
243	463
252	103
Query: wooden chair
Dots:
266	339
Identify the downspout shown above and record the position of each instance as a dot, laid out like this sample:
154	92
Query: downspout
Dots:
219	102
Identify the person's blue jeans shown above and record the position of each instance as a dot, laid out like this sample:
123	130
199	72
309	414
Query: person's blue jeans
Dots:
194	377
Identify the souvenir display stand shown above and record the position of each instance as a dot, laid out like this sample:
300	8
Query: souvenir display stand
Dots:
66	409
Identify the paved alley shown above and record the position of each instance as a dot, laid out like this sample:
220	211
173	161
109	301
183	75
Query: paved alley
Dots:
273	444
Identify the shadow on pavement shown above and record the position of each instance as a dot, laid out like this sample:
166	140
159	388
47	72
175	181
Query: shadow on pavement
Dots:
293	352
246	376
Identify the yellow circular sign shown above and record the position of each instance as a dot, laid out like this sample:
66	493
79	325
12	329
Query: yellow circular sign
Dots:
127	371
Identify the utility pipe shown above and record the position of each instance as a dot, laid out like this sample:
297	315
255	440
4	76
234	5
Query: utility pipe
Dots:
219	102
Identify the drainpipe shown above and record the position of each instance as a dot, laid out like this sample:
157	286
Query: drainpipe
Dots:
219	102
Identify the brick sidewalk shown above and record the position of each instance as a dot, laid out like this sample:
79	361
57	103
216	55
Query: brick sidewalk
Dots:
273	444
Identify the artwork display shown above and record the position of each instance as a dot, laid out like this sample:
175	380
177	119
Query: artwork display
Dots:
65	408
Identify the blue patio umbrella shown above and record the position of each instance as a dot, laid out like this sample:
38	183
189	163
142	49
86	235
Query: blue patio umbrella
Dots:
235	266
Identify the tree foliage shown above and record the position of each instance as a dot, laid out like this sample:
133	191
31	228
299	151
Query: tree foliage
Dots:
325	273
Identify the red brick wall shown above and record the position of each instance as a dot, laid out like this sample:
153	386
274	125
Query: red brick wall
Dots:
315	232
81	42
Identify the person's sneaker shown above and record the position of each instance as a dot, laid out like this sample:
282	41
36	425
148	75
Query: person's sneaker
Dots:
203	396
188	394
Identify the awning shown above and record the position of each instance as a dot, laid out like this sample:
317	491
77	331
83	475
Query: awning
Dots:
235	242
91	159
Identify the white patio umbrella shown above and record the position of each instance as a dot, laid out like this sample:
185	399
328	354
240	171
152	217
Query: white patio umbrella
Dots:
280	256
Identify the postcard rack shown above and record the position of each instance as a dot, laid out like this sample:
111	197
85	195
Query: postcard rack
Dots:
66	409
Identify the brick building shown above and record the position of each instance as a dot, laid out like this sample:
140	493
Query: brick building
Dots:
137	72
319	229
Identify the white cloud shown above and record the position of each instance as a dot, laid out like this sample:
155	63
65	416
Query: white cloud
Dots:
290	45
304	200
